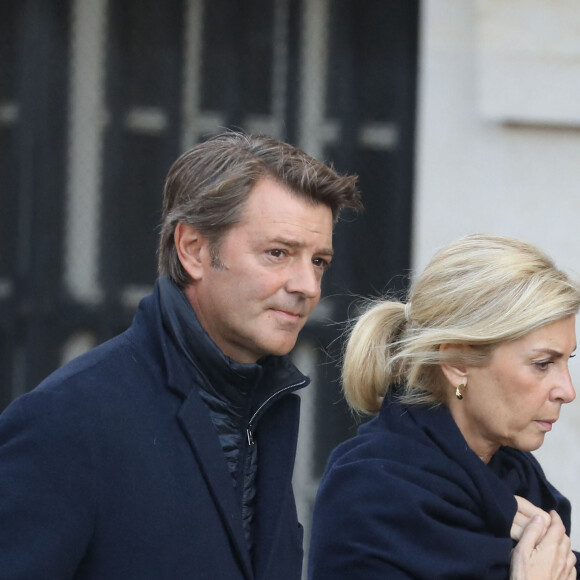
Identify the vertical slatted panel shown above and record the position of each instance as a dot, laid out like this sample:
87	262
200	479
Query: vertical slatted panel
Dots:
98	97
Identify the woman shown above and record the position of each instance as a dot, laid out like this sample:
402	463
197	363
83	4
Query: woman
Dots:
467	378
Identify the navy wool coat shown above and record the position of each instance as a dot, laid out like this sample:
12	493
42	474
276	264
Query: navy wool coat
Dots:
111	469
406	498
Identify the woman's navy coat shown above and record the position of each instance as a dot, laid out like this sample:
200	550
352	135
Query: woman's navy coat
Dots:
407	498
112	470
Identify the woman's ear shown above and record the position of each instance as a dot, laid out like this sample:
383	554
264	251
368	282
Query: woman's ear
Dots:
451	366
192	249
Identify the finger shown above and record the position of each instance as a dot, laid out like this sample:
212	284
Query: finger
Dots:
532	535
524	506
571	563
519	524
516	529
521	517
557	527
526	510
529	510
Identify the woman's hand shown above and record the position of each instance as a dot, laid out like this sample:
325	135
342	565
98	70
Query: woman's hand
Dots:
526	511
543	554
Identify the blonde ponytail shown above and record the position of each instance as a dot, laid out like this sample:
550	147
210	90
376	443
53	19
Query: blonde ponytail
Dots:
367	372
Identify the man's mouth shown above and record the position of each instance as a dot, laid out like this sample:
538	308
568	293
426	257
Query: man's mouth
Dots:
289	313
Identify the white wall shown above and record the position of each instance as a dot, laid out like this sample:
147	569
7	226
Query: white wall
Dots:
488	164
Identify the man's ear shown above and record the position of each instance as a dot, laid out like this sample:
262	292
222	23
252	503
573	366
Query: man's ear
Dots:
454	371
192	249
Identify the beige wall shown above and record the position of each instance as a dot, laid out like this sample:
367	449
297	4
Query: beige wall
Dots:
499	149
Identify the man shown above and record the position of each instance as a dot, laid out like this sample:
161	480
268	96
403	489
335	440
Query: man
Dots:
167	452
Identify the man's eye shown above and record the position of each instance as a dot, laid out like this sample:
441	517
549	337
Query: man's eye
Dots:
543	364
321	263
276	253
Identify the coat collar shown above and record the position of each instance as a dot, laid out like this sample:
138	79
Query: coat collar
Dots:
181	323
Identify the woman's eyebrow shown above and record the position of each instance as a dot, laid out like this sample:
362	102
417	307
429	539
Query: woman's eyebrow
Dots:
550	351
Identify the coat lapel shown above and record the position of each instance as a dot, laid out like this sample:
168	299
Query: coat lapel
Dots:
196	423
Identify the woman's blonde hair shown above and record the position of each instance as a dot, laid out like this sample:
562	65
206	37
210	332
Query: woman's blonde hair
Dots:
480	291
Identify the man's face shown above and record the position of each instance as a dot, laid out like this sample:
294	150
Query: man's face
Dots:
268	281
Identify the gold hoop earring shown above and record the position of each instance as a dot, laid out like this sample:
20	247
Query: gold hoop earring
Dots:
459	391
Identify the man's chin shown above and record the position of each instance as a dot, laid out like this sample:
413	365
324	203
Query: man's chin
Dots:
280	348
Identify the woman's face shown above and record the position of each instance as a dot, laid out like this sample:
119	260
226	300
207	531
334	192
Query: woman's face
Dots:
515	398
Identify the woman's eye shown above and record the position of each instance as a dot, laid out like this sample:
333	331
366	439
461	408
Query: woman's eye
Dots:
543	364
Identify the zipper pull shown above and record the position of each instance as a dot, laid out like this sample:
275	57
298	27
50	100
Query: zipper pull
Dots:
251	440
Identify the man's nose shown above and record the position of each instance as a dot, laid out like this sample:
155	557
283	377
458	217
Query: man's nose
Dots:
304	279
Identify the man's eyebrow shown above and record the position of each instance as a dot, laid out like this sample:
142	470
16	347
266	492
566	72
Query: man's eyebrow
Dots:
326	252
297	244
